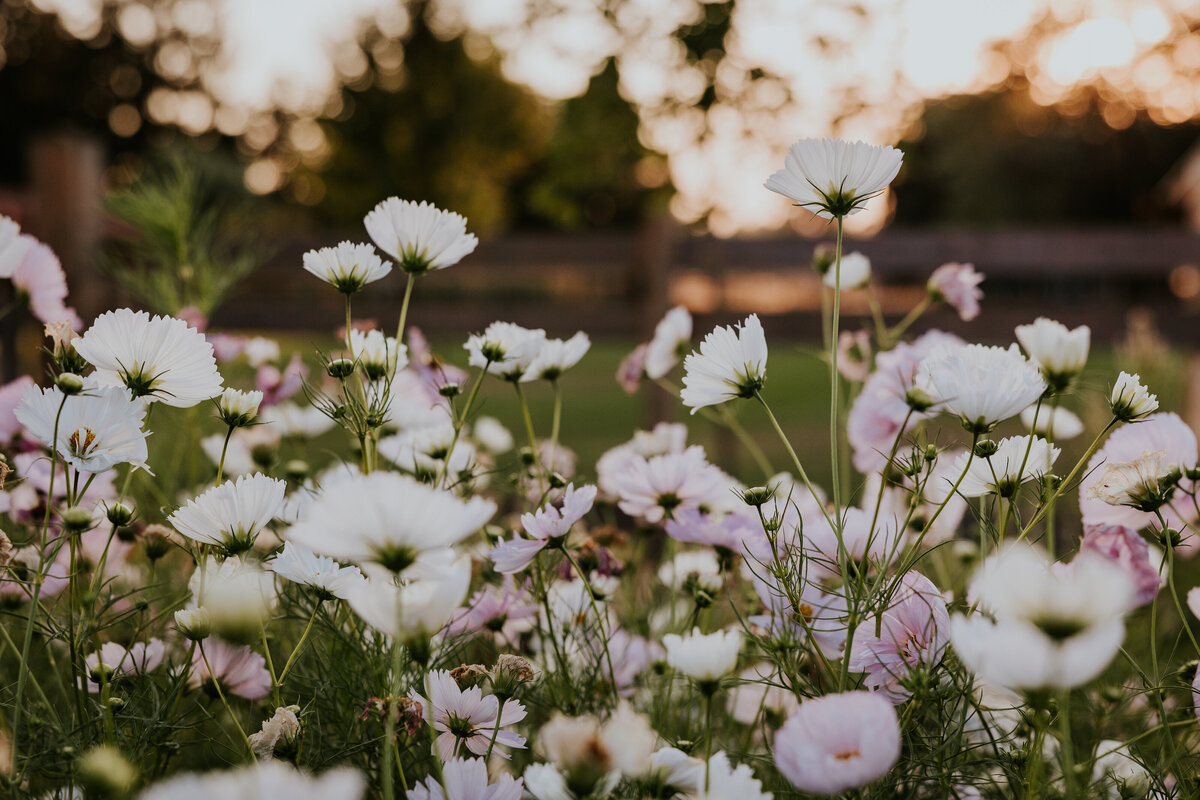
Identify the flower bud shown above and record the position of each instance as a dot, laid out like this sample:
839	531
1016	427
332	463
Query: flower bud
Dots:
557	481
449	390
120	514
918	399
193	623
296	469
104	772
238	409
757	496
510	674
986	448
339	368
1170	538
156	540
77	519
69	383
931	453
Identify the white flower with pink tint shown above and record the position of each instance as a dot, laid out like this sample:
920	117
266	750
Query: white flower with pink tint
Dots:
420	236
466	718
96	430
113	662
13	246
866	539
654	489
705	658
507	611
671	342
739	532
1057	424
838	742
467	779
10	397
665	438
854	355
632	368
1130	552
543	528
760	690
239	670
732	363
957	285
913	634
39	279
1017	459
835	177
1159	432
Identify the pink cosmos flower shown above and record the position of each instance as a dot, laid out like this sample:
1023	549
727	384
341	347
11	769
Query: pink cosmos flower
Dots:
277	385
866	539
854	355
912	634
467	716
958	286
10	396
239	669
17	580
1130	552
631	656
121	662
655	488
547	524
666	437
1165	432
467	779
738	531
507	611
632	368
194	317
877	416
226	347
838	742
40	278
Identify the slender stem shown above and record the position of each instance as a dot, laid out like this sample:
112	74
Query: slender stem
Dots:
408	288
612	673
795	459
224	449
270	665
389	791
747	441
556	423
461	422
496	730
224	702
1067	481
707	735
902	326
834	378
300	644
533	446
1065	743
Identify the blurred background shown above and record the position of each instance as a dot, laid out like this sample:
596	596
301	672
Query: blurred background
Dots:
611	154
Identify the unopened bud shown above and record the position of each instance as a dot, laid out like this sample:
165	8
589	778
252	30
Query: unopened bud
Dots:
193	623
339	368
1170	538
986	448
69	383
104	772
557	481
757	495
918	399
509	674
296	469
77	519
120	514
449	390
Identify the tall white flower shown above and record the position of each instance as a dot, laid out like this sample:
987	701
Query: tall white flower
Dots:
264	779
833	177
704	658
731	363
507	350
1047	626
300	565
231	515
378	355
348	267
1131	400
160	358
981	385
672	339
855	272
556	356
237	595
1061	353
13	246
388	519
96	430
420	236
432	592
1017	459
237	408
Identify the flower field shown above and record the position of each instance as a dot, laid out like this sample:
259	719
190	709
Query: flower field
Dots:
933	569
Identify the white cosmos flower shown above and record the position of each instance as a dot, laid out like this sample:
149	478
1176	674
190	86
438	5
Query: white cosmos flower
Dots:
833	177
731	363
260	350
1131	400
701	567
388	519
425	449
981	385
379	355
1138	483
1058	422
289	419
1017	459
160	358
491	435
855	272
433	591
347	267
13	246
238	409
507	350
231	515
704	658
237	595
1061	353
1050	626
300	565
420	236
556	356
96	431
672	339
260	781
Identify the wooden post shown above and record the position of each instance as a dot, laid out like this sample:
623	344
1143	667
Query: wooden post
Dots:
650	286
67	172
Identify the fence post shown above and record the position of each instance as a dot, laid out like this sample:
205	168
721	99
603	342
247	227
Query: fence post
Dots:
650	285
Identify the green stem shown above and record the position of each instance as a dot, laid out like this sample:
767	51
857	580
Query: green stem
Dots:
270	666
224	702
556	423
224	449
1065	743
460	423
795	460
834	378
408	288
612	673
895	333
299	645
1067	481
487	759
533	447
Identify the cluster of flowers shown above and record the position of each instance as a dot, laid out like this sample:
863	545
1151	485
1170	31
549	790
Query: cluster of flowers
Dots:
509	629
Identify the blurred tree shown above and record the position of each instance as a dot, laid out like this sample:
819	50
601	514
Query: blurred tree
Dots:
973	158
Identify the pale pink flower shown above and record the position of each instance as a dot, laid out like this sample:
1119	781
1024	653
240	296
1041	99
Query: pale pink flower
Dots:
1127	550
878	414
632	368
507	611
467	779
666	437
467	716
655	488
239	669
10	396
194	317
278	385
854	355
226	347
740	532
547	524
17	580
866	539
1165	432
838	742
631	656
912	635
40	279
121	662
958	286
